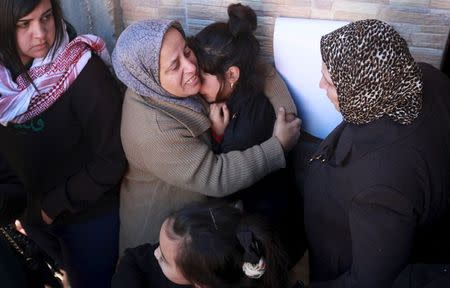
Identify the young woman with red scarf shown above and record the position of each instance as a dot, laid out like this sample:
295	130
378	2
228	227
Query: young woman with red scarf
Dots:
60	111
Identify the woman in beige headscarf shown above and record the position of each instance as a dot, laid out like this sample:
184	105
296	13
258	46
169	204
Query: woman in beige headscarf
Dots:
377	194
166	135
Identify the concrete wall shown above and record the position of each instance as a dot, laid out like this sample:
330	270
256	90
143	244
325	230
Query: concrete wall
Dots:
99	17
424	24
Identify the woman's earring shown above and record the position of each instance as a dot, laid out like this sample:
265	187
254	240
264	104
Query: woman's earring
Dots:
231	85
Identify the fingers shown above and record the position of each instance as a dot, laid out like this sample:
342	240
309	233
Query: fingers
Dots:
46	218
294	127
226	114
281	114
214	112
19	227
213	108
286	129
295	123
290	117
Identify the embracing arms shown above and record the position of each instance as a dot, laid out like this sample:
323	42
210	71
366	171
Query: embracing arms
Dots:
168	149
277	92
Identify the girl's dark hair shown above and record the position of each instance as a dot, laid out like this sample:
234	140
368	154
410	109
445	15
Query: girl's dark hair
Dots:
210	253
222	45
10	12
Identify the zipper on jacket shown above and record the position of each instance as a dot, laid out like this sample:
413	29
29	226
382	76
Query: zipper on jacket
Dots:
320	158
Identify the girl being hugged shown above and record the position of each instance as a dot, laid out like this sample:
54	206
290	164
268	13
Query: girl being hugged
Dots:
60	112
244	92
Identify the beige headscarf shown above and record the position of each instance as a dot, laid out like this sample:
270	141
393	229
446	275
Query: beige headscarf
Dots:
136	61
373	71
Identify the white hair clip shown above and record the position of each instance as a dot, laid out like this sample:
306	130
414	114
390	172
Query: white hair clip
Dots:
254	271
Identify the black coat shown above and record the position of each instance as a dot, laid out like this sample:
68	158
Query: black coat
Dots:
13	198
251	123
274	197
69	158
377	195
138	268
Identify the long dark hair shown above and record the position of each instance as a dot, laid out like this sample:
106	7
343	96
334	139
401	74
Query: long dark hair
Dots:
10	12
222	45
211	254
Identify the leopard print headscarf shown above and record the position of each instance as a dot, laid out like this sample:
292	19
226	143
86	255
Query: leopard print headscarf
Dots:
373	72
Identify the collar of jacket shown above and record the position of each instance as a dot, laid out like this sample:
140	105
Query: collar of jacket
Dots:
196	123
350	142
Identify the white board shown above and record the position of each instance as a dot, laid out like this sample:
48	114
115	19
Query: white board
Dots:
296	43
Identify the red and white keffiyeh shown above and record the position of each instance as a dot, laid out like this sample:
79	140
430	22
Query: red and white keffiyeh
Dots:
19	100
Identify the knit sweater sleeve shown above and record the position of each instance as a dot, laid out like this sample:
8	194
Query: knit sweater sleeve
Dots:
96	104
188	162
278	93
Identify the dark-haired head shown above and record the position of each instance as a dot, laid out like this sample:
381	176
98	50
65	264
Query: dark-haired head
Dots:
221	45
10	13
214	240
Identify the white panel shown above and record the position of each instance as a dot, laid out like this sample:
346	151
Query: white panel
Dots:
296	44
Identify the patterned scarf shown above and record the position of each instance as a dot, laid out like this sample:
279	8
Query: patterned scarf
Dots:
373	72
52	76
136	61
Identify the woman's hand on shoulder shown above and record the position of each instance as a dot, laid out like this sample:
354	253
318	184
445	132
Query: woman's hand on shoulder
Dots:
219	115
287	129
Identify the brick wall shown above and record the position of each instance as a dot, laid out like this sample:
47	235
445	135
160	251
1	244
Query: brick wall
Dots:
424	24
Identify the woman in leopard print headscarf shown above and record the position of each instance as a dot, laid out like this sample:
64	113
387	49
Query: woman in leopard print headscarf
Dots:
374	73
378	188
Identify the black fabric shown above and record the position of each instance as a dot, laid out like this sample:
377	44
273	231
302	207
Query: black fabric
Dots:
38	267
89	250
138	268
422	275
12	272
377	195
251	122
70	158
13	198
302	152
70	161
251	247
274	197
445	66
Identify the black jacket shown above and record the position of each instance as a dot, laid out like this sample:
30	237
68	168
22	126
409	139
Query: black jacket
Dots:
13	198
251	122
274	197
138	268
377	195
69	158
252	118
